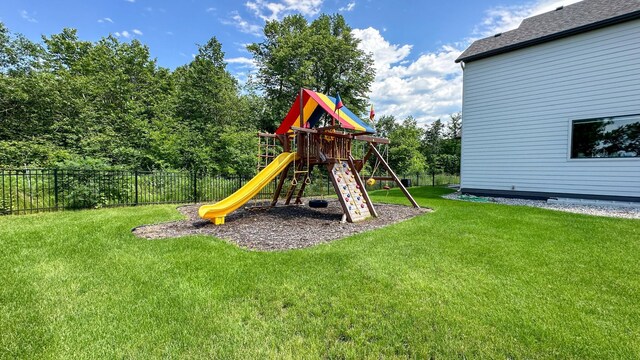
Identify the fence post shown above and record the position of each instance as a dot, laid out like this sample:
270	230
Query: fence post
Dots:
195	186
135	182
433	179
55	188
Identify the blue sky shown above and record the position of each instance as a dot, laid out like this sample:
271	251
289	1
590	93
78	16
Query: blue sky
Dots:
413	42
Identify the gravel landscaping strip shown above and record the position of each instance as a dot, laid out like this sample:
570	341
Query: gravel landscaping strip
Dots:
610	211
278	228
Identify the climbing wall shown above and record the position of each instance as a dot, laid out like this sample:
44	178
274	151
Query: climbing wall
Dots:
349	192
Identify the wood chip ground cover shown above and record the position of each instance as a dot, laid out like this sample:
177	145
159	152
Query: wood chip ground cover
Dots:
278	228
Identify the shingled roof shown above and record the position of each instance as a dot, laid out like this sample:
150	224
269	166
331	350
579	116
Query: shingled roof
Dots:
564	21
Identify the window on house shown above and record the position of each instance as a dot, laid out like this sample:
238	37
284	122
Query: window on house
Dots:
610	137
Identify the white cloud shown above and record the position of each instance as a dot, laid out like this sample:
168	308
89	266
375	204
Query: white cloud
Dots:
243	25
25	15
210	9
429	86
105	20
128	34
131	1
276	10
242	61
504	18
241	47
348	7
125	34
169	32
243	68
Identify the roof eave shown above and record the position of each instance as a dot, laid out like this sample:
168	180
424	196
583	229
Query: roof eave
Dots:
562	34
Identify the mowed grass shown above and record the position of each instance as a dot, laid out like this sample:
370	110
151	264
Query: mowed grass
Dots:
466	281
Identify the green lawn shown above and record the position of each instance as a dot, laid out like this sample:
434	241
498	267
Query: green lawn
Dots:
466	281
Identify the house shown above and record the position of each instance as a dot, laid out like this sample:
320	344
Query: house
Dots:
552	108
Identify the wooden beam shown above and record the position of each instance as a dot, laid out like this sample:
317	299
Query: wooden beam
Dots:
338	135
303	186
359	164
329	128
284	141
283	177
269	135
366	158
301	129
394	176
363	190
372	139
362	133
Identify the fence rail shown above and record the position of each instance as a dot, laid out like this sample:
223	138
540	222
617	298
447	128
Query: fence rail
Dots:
24	191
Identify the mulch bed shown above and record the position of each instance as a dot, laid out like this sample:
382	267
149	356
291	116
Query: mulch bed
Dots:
278	228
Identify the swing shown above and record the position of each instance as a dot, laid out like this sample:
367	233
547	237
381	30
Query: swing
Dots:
318	203
371	181
307	180
314	203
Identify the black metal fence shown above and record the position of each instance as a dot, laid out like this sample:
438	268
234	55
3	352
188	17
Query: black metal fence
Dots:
34	190
24	191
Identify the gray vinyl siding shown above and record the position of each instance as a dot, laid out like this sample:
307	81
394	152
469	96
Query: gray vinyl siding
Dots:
517	109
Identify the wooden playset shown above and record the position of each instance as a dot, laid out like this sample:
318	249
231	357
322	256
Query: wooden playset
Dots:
306	145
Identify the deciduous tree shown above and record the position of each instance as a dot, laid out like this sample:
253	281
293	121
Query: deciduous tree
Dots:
323	56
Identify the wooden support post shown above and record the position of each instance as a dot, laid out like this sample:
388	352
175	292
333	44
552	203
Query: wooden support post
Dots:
283	178
365	159
301	107
394	176
363	190
367	156
292	189
303	186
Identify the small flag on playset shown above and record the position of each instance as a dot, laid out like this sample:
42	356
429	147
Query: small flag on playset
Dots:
372	113
339	103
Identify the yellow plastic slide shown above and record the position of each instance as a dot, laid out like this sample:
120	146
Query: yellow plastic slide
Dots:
219	210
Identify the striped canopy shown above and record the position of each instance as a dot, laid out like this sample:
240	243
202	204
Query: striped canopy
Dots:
315	104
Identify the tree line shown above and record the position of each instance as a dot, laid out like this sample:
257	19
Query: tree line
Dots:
415	150
66	102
